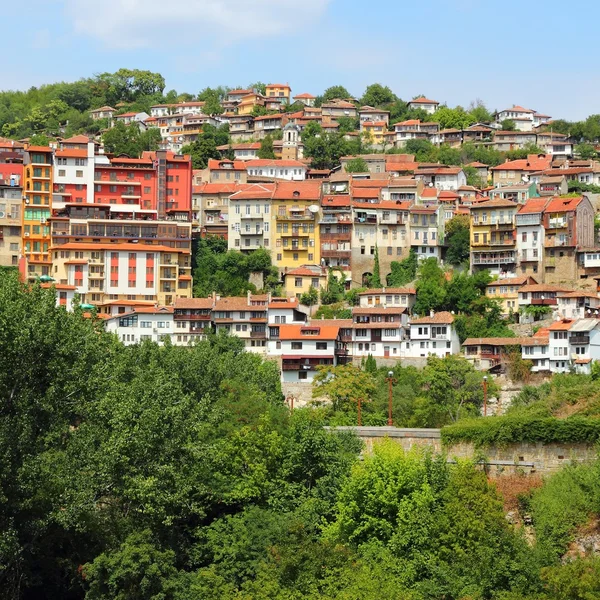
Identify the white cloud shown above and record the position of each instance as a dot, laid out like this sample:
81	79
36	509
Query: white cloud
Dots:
145	23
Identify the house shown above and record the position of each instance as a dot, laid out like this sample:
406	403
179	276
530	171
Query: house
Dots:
388	297
210	208
152	323
427	231
248	102
478	132
450	137
429	106
132	117
537	294
376	163
506	291
65	294
304	348
537	350
338	108
379	331
413	129
555	144
552	185
250	217
298	281
368	113
493	237
578	304
336	232
192	319
517	171
530	234
295	217
523	118
280	91
105	112
441	177
245	317
291	170
268	125
226	171
374	131
483	171
246	151
161	110
568	224
306	99
487	353
433	335
518	193
285	310
504	141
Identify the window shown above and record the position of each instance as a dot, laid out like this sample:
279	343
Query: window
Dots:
78	173
298	281
302	375
296	345
321	345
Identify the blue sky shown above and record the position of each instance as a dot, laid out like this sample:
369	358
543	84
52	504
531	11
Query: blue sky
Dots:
454	51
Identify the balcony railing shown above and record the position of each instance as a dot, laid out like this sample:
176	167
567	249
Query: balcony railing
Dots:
493	260
335	253
579	339
339	236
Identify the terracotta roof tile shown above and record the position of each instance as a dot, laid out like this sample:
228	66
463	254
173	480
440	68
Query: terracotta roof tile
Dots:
442	317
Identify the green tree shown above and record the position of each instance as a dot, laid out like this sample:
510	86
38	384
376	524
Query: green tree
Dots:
452	118
458	240
508	125
205	146
377	95
39	139
259	86
423	150
335	91
479	112
585	151
370	365
130	140
375	281
310	298
430	287
345	385
266	148
404	271
347	124
473	177
357	165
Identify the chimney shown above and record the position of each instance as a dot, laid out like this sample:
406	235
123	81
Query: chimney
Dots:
249	295
431	313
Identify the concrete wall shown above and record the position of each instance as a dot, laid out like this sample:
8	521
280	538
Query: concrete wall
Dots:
527	458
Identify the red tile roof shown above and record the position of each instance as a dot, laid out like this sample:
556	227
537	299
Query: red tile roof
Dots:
391	290
442	317
422	100
307	96
71	153
267	162
562	325
226	165
301	190
532	163
294	332
194	303
559	204
533	206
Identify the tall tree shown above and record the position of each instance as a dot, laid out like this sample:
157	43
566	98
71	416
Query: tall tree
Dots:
458	231
376	276
378	95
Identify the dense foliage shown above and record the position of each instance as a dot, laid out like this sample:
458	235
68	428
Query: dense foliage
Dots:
509	429
227	272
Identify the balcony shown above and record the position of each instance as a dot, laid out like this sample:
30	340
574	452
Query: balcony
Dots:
555	242
543	301
255	232
370	220
557	223
295	248
336	237
504	242
184	317
335	253
258	335
580	339
494	260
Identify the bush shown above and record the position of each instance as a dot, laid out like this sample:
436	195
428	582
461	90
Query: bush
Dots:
509	430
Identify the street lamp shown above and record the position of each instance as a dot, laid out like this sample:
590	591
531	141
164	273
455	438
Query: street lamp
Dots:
485	395
390	380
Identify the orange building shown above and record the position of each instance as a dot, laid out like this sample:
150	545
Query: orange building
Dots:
37	194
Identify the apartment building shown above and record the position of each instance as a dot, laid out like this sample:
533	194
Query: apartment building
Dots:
493	244
11	205
335	232
250	211
427	231
210	208
531	234
37	192
295	223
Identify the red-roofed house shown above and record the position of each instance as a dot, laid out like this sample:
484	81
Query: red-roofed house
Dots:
226	171
306	99
523	118
433	335
429	106
530	237
569	225
517	171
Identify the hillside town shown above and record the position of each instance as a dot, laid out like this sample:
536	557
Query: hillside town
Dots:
116	232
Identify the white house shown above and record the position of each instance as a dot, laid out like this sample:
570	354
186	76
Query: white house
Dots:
74	172
443	178
578	304
389	298
426	231
523	118
429	106
292	170
537	350
379	331
143	323
65	294
530	234
434	335
303	348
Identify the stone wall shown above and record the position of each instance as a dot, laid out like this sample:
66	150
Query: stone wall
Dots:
527	458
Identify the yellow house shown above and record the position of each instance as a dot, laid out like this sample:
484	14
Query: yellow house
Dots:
295	218
375	131
37	191
248	102
493	237
299	281
279	90
506	291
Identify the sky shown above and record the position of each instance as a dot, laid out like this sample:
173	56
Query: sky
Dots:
453	51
